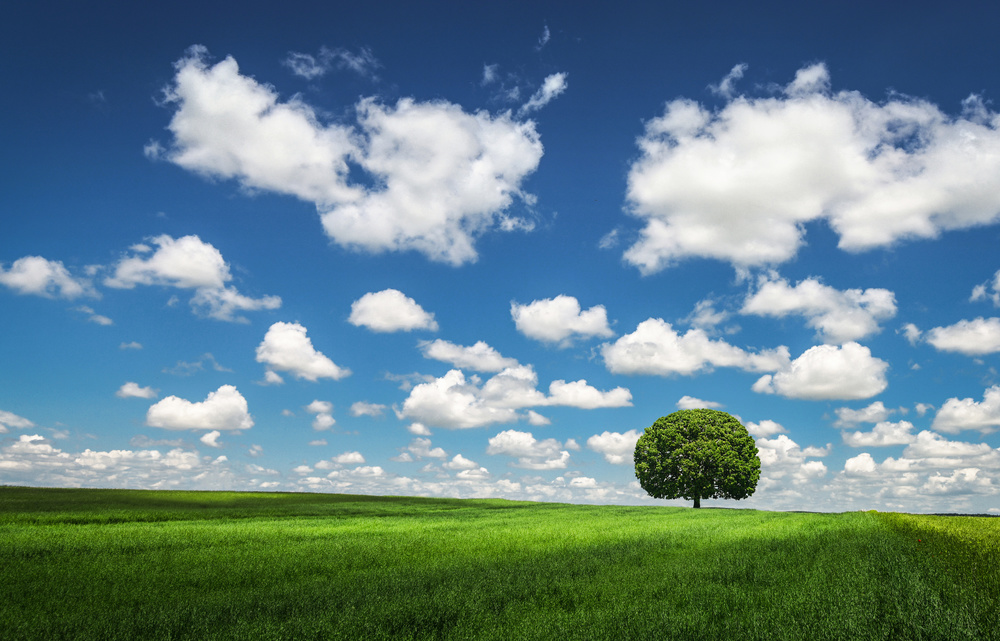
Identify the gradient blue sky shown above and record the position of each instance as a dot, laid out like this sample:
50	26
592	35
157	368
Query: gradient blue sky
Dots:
457	250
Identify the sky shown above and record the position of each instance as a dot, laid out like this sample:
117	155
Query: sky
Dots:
454	250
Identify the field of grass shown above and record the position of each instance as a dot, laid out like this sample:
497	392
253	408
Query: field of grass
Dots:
120	564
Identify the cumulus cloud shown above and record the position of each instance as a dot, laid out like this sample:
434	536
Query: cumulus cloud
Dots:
738	184
656	348
911	332
287	348
692	403
838	316
451	401
224	409
967	414
828	372
530	453
33	459
765	428
479	357
362	408
439	177
551	88
42	277
188	263
324	415
617	447
134	390
930	469
211	439
421	448
390	311
560	320
884	433
874	413
459	462
782	459
581	395
454	401
977	337
349	458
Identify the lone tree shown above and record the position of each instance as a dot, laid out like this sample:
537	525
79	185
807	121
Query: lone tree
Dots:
697	454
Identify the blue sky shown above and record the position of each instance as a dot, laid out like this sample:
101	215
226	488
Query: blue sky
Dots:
474	251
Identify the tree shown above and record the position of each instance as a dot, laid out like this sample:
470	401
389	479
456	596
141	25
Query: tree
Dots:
697	454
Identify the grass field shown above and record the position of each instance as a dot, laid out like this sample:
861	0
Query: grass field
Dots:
121	564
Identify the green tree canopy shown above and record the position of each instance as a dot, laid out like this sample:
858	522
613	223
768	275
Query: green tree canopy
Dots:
697	454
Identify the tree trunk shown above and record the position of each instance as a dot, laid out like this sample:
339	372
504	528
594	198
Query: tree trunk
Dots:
697	501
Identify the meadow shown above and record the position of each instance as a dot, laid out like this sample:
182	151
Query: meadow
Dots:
124	564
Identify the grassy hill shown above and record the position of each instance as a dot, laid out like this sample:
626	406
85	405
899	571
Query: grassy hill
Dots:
122	564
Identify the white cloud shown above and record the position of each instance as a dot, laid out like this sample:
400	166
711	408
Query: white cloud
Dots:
884	433
551	88
224	409
530	453
765	428
134	390
967	414
211	439
874	413
989	289
861	465
311	67
272	378
361	408
656	348
783	460
726	87
33	459
738	184
349	458
130	345
418	428
560	320
324	415
319	407
323	422
188	263
93	316
287	348
421	448
838	316
441	176
828	372
973	338
479	357
41	277
692	403
459	462
934	450
11	420
581	395
617	448
455	402
390	311
911	332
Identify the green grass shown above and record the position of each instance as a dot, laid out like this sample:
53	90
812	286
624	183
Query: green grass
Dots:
116	564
